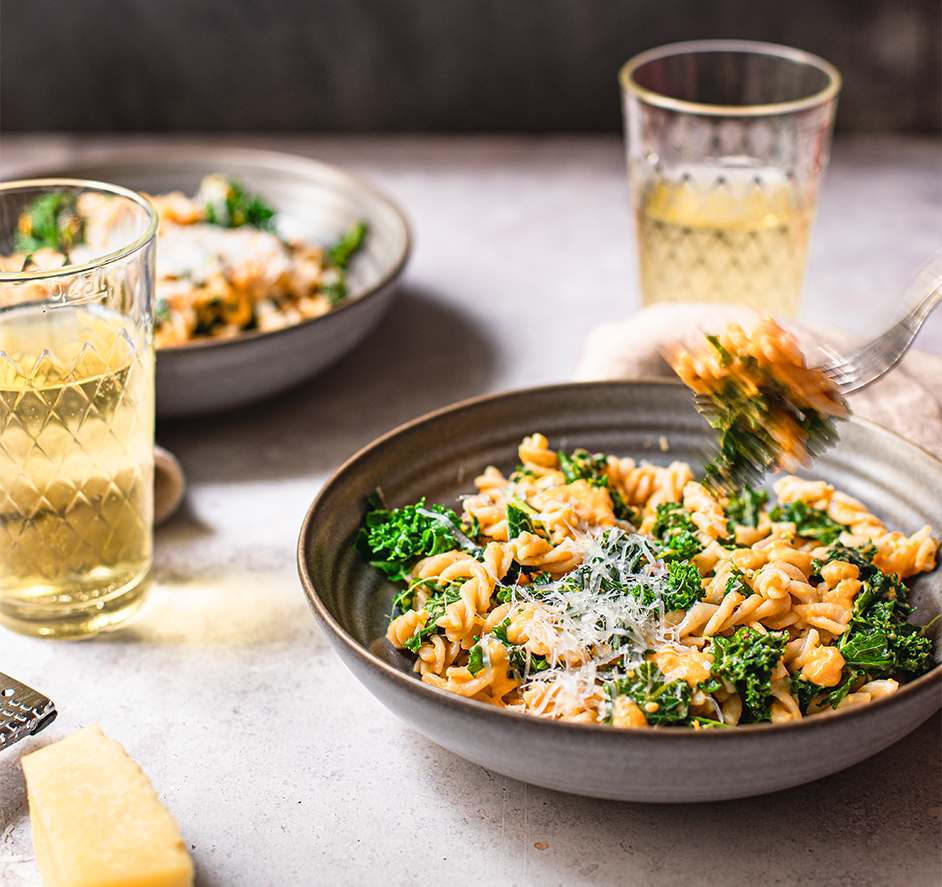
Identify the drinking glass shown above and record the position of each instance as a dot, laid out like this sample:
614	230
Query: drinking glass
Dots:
726	145
76	405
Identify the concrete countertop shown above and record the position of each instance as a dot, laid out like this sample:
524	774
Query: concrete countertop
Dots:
279	766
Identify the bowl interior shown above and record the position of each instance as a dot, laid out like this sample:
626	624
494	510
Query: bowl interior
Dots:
315	201
439	456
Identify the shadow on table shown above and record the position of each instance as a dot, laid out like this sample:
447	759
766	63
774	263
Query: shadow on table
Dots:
876	823
422	356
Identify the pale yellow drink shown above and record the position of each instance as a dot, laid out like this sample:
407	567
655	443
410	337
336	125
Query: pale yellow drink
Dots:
76	468
730	236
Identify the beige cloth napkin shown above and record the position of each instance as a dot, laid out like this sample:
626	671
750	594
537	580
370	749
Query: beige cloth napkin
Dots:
908	400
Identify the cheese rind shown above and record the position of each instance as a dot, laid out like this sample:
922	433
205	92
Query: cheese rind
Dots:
97	821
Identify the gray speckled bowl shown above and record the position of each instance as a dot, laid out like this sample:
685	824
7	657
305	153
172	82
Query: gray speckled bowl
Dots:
315	201
439	455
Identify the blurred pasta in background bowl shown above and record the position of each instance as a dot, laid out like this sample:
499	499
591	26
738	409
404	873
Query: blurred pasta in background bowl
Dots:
270	267
583	614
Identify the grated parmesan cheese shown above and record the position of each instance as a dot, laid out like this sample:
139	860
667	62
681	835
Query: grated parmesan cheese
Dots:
601	619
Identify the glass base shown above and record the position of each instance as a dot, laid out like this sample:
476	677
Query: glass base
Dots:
78	620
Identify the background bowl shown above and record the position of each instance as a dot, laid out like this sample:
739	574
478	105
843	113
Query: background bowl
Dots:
439	455
316	202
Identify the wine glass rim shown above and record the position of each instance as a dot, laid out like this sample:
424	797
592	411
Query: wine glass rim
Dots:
65	184
629	84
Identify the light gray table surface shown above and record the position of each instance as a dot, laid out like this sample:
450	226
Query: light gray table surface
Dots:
279	766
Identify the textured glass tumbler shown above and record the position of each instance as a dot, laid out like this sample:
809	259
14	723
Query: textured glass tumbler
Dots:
726	144
76	405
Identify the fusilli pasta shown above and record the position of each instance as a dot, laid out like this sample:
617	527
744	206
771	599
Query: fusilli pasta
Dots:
591	588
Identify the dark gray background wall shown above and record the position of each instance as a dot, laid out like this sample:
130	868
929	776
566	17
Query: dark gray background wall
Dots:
423	65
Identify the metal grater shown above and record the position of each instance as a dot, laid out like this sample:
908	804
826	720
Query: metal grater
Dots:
23	711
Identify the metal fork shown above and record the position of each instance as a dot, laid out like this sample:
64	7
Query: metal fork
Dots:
858	369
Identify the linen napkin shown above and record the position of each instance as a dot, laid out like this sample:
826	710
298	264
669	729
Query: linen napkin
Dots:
907	400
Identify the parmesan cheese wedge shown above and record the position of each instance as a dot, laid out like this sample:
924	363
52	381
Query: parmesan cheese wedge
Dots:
97	821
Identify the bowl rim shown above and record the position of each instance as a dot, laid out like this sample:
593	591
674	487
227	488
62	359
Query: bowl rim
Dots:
263	158
410	683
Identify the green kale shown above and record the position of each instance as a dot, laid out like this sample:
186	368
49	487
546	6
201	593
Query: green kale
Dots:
519	473
435	606
582	465
825	697
335	291
879	639
51	222
347	246
805	691
675	532
334	285
240	209
861	558
746	450
593	467
521	660
812	523
725	357
747	660
476	657
737	582
686	586
745	508
394	541
663	702
879	642
520	518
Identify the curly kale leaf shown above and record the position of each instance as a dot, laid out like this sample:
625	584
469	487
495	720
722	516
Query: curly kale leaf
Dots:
334	290
880	641
812	523
663	702
394	541
737	582
805	691
747	660
861	558
725	357
675	532
520	516
685	585
583	465
825	697
743	414
745	451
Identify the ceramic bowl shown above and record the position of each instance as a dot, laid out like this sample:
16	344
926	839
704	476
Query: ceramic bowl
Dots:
314	201
438	456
